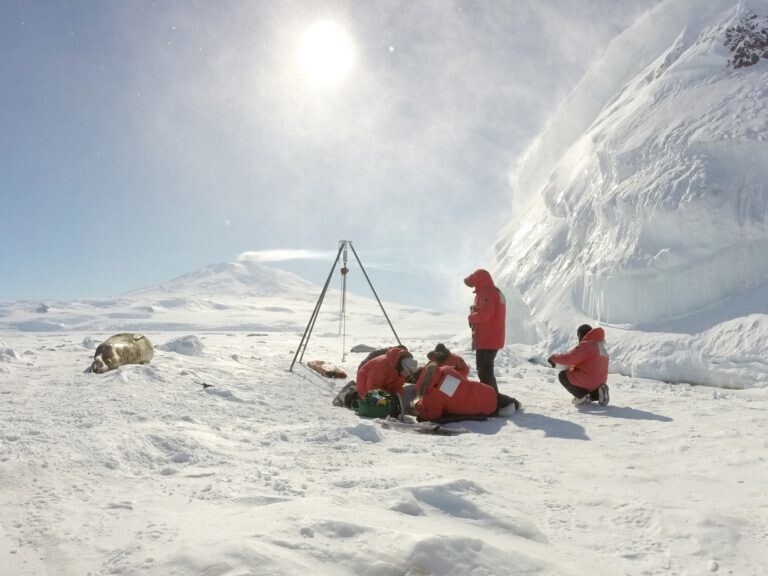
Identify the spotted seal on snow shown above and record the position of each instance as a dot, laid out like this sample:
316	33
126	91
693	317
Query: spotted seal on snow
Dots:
122	349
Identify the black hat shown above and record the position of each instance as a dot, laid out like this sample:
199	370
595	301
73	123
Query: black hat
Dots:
441	352
583	330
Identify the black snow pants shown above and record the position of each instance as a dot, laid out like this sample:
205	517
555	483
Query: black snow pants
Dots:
484	362
577	391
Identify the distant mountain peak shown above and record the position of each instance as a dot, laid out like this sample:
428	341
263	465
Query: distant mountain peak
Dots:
243	277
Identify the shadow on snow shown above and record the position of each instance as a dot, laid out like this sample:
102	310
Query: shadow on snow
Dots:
552	427
558	428
624	412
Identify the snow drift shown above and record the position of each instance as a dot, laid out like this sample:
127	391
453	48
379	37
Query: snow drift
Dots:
656	211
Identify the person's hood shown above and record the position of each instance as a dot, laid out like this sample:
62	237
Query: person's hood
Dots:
594	335
395	354
479	279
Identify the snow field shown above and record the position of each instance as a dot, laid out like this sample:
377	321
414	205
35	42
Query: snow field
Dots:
142	471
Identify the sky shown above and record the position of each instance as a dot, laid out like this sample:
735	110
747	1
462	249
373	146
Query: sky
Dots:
142	471
142	140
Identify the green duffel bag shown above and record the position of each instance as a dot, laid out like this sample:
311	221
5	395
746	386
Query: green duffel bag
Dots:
378	404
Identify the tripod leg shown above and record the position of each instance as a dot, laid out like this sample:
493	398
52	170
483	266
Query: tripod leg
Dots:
311	323
374	293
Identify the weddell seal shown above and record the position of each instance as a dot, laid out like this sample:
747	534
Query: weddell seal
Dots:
122	349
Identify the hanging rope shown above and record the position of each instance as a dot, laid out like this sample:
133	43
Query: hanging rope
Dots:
343	317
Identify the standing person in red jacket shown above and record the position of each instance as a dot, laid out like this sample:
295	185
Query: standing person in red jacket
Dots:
487	319
587	365
442	392
386	372
445	357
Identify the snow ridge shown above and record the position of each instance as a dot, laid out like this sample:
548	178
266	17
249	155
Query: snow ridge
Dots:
658	211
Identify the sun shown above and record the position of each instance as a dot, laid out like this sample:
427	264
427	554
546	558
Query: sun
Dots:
325	53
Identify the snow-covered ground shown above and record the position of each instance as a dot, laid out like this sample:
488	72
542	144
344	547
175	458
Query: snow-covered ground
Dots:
143	471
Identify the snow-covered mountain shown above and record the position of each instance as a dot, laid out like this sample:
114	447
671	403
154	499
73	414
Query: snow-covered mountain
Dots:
646	204
232	296
237	295
238	279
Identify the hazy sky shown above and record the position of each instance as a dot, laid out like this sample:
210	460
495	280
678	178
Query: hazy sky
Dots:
143	140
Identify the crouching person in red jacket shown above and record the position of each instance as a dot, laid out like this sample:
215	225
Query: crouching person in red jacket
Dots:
442	392
384	369
587	365
445	357
386	372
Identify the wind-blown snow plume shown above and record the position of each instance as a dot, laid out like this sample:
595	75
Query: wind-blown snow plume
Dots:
283	255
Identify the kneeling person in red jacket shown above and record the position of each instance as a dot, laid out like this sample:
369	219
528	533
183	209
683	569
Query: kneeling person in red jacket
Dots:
443	392
587	365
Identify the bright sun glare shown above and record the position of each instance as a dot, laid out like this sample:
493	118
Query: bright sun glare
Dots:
326	54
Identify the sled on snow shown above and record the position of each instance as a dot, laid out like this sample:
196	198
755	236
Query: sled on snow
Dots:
420	427
326	369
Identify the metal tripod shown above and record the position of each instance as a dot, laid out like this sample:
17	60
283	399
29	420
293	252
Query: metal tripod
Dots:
343	244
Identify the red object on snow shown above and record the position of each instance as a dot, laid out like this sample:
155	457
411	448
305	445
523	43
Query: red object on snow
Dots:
326	369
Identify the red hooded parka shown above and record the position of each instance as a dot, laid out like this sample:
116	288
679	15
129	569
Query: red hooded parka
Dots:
453	361
381	373
488	313
457	363
587	362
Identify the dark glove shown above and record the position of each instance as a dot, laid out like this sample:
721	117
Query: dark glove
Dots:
551	362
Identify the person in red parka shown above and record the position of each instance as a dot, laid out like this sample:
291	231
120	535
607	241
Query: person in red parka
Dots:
386	372
442	392
487	318
587	372
445	357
